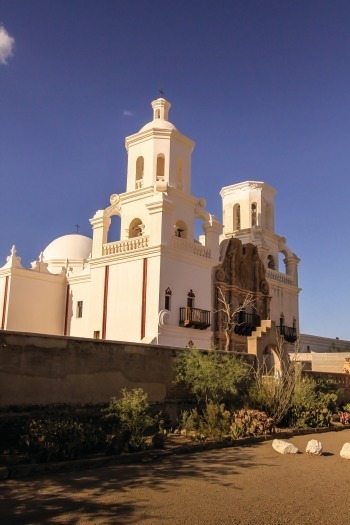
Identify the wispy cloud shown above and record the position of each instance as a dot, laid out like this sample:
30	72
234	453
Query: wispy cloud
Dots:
6	45
127	113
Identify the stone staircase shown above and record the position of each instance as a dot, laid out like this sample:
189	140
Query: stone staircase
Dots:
258	335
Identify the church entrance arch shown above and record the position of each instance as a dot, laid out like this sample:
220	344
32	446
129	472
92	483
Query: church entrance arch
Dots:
271	362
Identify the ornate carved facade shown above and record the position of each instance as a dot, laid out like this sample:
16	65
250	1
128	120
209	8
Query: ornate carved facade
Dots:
241	274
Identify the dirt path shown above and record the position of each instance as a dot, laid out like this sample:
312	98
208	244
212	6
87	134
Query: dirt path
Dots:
247	485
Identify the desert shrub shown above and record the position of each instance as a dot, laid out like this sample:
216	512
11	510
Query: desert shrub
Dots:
347	407
47	440
251	423
344	418
313	403
131	413
272	395
212	423
211	376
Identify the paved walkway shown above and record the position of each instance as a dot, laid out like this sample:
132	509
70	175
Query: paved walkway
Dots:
246	485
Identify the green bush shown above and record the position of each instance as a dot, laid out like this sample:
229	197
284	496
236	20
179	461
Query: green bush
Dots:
131	414
56	440
251	423
314	402
212	423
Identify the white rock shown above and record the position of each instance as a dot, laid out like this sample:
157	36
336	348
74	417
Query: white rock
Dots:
345	451
284	447
314	448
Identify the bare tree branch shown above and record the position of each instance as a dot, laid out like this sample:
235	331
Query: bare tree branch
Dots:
230	314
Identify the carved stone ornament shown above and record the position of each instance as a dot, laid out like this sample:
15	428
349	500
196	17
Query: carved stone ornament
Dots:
115	207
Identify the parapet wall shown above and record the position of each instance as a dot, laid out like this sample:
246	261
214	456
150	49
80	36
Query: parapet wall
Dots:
43	370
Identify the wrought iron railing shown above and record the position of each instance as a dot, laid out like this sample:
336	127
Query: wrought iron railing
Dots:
194	318
288	332
246	322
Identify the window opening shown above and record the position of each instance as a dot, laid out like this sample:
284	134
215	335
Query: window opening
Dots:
271	262
97	334
139	172
136	228
160	167
80	309
254	214
236	217
190	299
180	229
167	299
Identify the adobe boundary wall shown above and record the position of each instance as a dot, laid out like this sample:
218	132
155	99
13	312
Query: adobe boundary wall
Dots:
38	369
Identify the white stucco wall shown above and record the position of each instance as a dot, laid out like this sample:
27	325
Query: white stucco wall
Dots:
36	303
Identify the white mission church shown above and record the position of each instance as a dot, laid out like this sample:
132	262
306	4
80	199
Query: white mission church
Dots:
156	283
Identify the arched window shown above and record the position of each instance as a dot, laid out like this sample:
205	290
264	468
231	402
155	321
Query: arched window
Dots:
282	319
160	166
136	228
180	229
271	262
167	302
139	172
190	299
236	217
254	214
158	113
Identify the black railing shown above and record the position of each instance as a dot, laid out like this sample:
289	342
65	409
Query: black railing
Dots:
288	332
246	323
194	318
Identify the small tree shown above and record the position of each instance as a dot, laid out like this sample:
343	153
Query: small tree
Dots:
211	375
230	315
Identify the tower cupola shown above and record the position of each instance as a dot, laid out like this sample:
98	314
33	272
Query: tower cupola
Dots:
161	109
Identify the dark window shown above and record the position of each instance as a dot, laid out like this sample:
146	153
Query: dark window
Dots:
167	299
80	309
190	299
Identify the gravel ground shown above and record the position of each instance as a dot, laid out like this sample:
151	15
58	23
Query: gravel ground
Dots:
243	485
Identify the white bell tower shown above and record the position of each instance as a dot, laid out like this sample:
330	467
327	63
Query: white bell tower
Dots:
159	153
248	214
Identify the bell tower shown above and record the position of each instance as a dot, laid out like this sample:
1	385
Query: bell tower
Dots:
159	154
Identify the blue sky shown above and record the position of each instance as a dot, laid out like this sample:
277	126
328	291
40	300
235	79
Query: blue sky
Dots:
263	87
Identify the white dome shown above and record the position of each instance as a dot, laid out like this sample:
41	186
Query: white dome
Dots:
158	123
70	247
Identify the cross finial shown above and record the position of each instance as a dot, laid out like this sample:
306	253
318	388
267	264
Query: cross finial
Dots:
77	226
161	92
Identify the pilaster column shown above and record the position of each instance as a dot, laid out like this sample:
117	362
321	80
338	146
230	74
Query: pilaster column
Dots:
100	225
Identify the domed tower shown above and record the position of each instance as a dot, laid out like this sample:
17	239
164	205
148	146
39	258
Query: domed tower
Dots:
157	280
248	214
159	153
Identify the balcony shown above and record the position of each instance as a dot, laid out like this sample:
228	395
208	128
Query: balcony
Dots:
288	332
129	245
246	323
194	318
279	277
